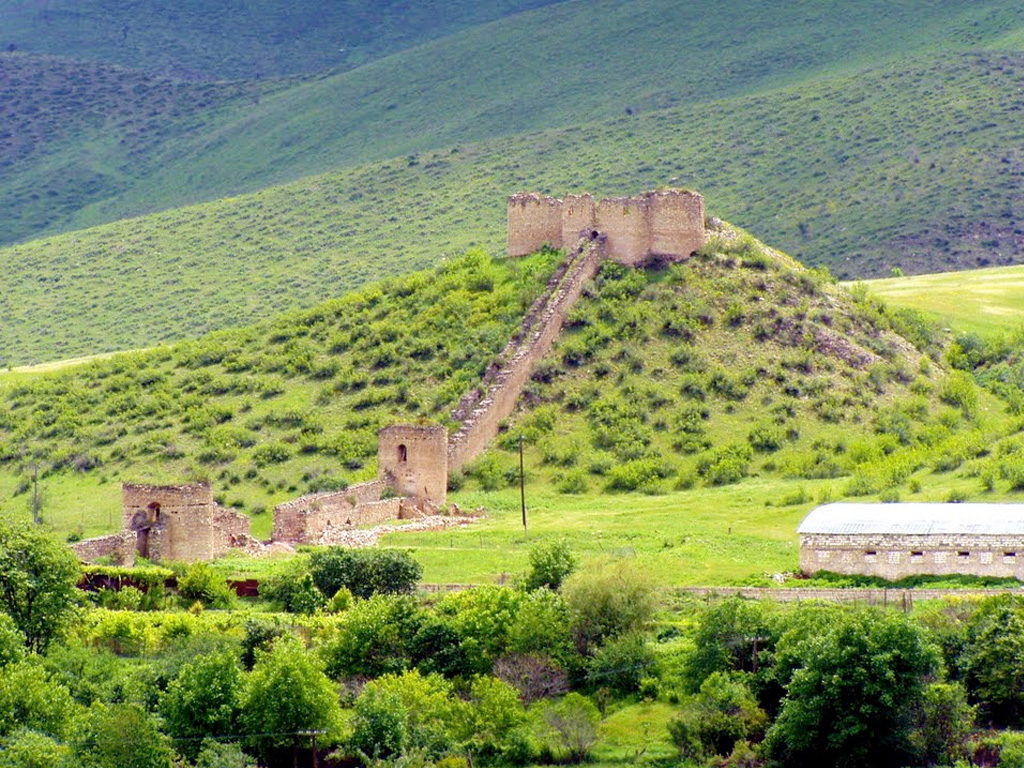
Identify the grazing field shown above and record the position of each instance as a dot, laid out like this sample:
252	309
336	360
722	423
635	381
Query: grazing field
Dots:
987	301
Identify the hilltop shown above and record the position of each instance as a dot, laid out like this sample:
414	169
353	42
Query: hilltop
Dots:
756	373
861	173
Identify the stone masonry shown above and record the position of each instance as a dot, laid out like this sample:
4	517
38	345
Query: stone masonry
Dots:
482	410
666	224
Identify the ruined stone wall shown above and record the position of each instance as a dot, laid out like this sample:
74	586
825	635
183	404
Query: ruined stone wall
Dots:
413	461
119	547
533	221
677	223
303	520
175	522
522	354
626	222
579	218
231	530
894	557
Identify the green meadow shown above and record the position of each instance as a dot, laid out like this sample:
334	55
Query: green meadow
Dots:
986	301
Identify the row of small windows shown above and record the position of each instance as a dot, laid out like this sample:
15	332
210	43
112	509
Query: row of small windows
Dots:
963	554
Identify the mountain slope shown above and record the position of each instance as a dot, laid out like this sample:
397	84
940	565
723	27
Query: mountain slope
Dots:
239	38
915	165
524	72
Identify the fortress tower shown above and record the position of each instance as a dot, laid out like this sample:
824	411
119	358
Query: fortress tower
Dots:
413	461
667	224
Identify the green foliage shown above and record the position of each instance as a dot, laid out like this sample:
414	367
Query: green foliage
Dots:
849	701
550	564
216	754
959	391
396	713
12	641
203	700
483	618
723	713
727	639
121	736
29	698
203	583
364	572
946	723
292	589
31	749
373	637
285	694
37	583
606	601
993	653
621	663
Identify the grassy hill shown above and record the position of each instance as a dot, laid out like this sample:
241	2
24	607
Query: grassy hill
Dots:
911	165
236	40
521	72
762	386
985	301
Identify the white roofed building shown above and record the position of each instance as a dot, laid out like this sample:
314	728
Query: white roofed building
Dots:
898	540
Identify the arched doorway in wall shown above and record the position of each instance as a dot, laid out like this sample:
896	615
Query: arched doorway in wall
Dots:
403	454
143	523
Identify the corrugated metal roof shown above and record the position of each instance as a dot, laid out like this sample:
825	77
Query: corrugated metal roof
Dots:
915	518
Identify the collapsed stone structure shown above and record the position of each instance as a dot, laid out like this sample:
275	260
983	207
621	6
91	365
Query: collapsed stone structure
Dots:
170	522
900	539
663	224
184	523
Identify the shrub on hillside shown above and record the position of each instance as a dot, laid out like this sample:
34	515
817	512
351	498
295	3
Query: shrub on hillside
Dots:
550	564
364	572
725	465
201	582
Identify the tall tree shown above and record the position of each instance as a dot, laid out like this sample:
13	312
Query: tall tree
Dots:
37	582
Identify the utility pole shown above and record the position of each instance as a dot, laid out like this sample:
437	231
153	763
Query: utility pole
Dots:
522	485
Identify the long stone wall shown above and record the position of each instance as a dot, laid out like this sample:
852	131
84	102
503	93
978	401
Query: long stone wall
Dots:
520	356
895	557
303	520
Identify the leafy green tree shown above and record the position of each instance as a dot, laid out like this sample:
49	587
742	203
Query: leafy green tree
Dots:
493	726
483	618
849	704
37	583
436	647
285	696
31	749
992	660
946	723
401	712
726	712
550	564
364	572
374	638
203	700
730	636
621	663
292	589
121	736
606	601
29	698
542	625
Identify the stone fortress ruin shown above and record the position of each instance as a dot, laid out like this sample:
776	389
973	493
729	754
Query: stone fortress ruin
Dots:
184	522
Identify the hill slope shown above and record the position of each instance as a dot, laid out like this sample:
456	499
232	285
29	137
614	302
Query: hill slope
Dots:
751	364
238	39
525	72
911	165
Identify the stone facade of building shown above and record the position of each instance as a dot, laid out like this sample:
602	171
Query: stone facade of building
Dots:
894	541
667	224
412	460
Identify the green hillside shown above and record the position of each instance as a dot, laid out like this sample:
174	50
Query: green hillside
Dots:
755	372
986	301
888	167
524	72
243	39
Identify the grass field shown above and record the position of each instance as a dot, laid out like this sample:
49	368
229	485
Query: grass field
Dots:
986	301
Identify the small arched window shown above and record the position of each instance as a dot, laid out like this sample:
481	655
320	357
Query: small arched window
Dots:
153	512
403	454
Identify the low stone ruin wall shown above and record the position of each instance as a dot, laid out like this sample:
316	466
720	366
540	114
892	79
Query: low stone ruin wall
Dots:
119	547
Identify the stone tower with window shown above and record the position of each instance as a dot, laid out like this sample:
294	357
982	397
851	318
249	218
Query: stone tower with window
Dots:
412	460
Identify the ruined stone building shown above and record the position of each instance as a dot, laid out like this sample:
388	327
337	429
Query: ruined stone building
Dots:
664	224
897	540
170	522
